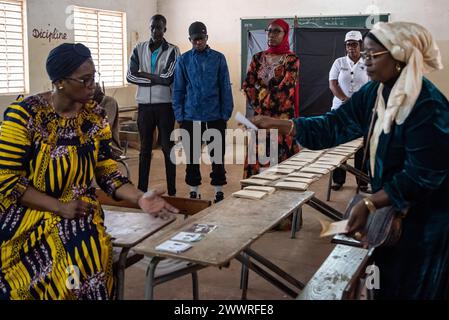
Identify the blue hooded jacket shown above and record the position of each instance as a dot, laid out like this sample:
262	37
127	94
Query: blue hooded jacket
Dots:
202	88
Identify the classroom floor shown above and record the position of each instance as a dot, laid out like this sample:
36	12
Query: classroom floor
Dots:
301	257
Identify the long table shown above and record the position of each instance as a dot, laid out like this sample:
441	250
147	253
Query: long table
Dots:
239	223
314	202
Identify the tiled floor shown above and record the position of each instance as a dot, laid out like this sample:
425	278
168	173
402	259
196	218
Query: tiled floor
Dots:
301	256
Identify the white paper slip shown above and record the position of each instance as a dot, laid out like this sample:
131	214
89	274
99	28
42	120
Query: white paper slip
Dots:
288	166
280	170
257	182
327	166
249	194
301	174
299	179
315	170
173	246
240	118
295	163
201	228
299	186
187	236
330	229
267	176
268	190
337	152
327	162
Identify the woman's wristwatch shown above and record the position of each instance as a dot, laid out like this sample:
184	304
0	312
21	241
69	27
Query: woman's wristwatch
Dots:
370	205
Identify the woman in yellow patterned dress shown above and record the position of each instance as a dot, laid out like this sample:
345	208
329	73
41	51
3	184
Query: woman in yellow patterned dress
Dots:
53	243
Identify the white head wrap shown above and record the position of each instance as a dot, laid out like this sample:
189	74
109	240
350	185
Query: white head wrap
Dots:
414	45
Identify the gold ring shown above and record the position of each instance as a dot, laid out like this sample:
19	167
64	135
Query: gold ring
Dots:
357	235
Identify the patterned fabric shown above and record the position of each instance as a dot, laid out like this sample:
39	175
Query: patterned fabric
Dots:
44	256
271	90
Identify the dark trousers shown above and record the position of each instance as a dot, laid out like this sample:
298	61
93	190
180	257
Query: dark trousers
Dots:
149	117
339	175
193	174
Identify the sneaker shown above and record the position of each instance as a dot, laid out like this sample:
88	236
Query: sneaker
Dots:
194	195
219	196
336	186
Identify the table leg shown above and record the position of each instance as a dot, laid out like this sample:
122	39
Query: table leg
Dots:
121	266
149	278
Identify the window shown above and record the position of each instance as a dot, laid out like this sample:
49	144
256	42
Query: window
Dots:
104	33
13	58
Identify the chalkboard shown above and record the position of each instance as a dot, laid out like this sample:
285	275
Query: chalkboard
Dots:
350	21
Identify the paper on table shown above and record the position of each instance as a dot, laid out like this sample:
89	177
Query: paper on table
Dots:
173	246
249	194
187	236
269	190
330	229
240	118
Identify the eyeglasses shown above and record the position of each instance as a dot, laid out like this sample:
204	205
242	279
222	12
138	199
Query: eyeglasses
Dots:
274	31
89	82
368	55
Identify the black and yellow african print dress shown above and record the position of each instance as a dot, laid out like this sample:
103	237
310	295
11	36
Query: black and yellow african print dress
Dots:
42	255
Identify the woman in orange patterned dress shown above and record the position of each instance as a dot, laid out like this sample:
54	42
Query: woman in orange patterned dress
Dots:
271	88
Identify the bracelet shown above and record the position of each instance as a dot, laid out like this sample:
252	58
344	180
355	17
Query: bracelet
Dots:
370	205
292	125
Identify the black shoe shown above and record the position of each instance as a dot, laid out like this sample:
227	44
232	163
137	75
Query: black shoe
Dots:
194	195
219	196
336	186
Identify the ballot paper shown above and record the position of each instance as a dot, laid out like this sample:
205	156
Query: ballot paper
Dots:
249	194
298	186
277	170
267	176
333	228
268	190
240	118
187	236
301	174
173	246
299	179
257	182
201	228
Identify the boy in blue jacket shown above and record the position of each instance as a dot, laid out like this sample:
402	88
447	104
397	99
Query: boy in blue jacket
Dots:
202	98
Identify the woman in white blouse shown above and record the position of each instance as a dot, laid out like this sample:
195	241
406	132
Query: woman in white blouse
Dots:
348	75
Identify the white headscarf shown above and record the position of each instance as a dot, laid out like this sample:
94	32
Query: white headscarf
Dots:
414	45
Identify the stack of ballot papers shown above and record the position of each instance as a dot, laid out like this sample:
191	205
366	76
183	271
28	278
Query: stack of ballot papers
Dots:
173	246
249	194
180	242
254	192
268	190
289	185
255	181
332	228
187	236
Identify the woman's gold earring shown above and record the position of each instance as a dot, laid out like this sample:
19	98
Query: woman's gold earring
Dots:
60	87
398	68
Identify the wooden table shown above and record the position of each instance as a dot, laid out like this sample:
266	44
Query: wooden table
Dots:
128	227
239	223
316	203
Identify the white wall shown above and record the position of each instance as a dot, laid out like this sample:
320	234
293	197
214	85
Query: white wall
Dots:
50	14
222	17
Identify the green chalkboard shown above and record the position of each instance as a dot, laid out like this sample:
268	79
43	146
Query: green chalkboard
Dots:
356	21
